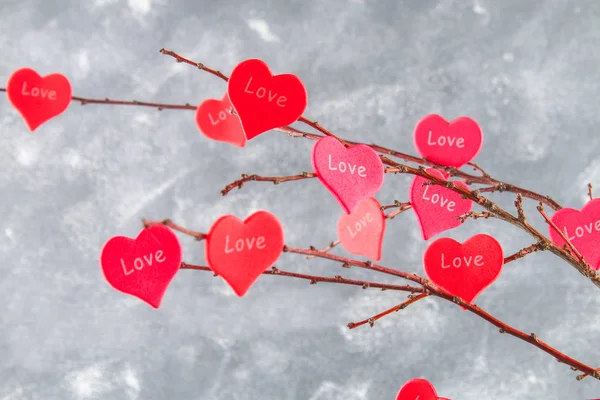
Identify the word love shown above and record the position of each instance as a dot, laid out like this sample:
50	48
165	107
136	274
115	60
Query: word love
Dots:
581	228
216	122
142	267
264	101
243	244
418	389
361	232
38	99
240	251
351	174
473	266
450	144
346	166
145	260
437	207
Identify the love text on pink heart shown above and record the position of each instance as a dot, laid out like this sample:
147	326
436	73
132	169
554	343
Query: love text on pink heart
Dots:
347	167
242	244
438	199
140	262
580	231
466	261
446	141
359	225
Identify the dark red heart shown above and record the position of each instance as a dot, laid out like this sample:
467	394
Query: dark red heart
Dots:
264	101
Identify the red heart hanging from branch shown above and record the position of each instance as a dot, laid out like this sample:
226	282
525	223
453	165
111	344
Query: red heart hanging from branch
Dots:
37	98
264	101
216	122
361	232
142	267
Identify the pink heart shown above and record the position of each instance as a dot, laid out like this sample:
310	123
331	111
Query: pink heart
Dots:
418	389
361	232
451	144
582	228
142	267
464	269
351	174
437	207
216	122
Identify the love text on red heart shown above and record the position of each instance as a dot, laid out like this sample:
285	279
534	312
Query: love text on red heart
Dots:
146	260
265	94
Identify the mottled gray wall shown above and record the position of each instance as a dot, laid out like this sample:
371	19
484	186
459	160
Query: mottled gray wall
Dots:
528	71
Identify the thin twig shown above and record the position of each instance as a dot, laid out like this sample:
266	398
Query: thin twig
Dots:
371	321
167	222
540	208
326	249
275	179
590	195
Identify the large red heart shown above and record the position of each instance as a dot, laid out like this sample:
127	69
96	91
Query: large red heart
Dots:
451	144
464	270
437	207
38	98
418	389
361	232
216	122
142	267
264	101
351	174
582	228
240	251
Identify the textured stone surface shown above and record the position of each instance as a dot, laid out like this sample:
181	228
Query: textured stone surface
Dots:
527	71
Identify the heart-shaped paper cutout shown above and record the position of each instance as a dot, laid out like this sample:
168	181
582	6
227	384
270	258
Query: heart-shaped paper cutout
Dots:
37	98
361	232
418	389
452	144
264	101
240	251
582	228
351	174
142	267
437	207
216	122
464	270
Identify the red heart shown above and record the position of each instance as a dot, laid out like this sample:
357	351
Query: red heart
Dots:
465	269
417	389
215	121
351	174
437	207
451	144
142	267
582	228
264	101
240	251
362	231
38	99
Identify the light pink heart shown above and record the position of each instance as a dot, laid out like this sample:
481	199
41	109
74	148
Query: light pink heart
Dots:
351	174
361	232
582	228
437	207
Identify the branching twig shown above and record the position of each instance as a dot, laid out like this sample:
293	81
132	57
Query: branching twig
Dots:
401	306
167	222
326	249
275	179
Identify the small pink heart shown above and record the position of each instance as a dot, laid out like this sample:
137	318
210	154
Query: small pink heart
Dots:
464	269
437	207
351	174
582	228
418	389
142	267
361	232
215	121
452	144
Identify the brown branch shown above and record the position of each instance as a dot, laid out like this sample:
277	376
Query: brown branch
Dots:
523	252
371	321
434	290
275	179
326	249
314	279
570	245
167	222
474	215
590	195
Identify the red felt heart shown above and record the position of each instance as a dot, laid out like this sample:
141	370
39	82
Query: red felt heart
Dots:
38	98
142	267
351	174
264	101
240	251
437	207
216	122
418	389
451	144
582	228
361	232
465	269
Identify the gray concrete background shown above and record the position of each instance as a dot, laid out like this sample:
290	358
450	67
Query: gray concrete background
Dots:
527	71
